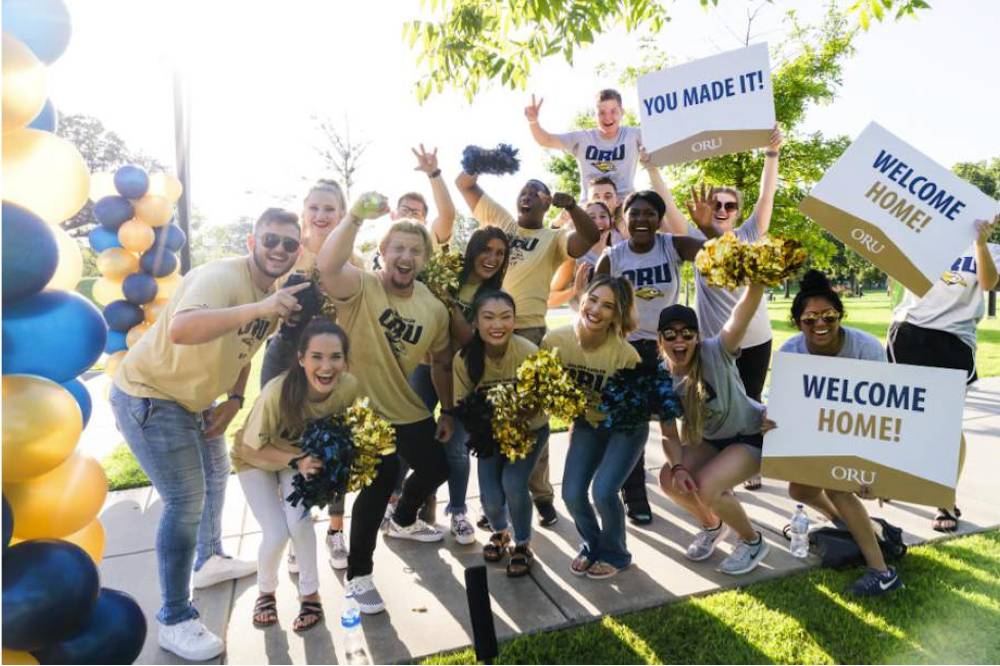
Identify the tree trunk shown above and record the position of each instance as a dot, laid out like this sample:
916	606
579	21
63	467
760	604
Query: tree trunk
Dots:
991	308
788	288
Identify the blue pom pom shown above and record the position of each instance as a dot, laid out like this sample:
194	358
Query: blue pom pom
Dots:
499	161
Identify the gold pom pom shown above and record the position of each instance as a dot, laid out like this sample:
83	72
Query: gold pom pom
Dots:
728	263
441	274
374	437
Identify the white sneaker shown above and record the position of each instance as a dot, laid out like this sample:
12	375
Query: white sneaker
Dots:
337	550
705	542
462	529
745	557
293	562
418	531
190	640
362	588
217	569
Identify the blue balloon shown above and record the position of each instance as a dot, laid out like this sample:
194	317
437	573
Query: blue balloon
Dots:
30	253
55	334
44	25
169	236
158	261
116	342
139	288
47	119
122	315
50	589
101	239
132	182
115	634
8	523
79	391
112	212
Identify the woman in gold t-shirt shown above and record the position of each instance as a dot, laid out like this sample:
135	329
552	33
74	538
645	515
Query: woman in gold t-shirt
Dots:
266	456
593	349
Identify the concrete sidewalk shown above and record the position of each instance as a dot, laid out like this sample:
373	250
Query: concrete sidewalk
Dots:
423	583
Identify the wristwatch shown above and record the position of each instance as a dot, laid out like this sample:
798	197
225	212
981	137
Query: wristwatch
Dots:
236	396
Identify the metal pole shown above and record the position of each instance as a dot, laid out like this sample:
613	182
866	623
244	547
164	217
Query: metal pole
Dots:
182	144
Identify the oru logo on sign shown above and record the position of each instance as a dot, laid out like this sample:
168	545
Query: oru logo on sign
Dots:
707	144
861	476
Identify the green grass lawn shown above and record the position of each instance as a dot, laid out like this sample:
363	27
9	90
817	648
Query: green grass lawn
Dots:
949	612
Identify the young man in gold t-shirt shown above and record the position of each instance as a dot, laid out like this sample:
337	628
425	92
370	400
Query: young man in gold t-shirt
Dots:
163	401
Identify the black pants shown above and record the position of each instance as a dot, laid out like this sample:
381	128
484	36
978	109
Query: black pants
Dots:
634	490
416	445
915	345
752	365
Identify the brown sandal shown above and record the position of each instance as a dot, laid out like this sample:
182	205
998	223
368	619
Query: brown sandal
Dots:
310	614
497	548
521	558
265	607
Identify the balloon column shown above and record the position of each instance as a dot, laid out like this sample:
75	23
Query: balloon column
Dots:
135	245
54	610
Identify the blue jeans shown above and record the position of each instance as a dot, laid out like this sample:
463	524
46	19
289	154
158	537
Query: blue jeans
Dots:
190	474
605	457
455	450
503	486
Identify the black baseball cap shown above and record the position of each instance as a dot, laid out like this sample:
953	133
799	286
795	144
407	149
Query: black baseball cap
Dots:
678	312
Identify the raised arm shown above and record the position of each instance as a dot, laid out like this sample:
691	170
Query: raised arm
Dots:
768	182
736	326
673	222
687	247
468	187
585	232
701	208
340	279
442	225
542	138
986	268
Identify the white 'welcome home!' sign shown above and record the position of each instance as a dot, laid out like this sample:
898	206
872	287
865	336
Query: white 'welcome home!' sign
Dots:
713	106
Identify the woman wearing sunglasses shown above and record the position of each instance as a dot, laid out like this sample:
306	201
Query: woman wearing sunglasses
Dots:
817	312
722	430
723	206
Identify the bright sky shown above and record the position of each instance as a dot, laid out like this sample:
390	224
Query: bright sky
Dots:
259	71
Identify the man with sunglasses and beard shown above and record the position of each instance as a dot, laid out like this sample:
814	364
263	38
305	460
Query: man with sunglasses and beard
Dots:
163	399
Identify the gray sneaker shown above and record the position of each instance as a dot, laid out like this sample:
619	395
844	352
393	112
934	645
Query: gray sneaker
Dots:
705	542
745	557
362	588
418	531
337	550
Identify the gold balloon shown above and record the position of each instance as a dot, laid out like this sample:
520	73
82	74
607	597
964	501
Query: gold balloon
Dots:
102	184
154	308
41	426
135	333
44	173
168	285
69	270
91	539
154	210
18	657
117	263
23	84
136	236
111	364
107	290
60	502
165	185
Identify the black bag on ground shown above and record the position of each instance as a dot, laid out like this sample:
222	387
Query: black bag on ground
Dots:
837	548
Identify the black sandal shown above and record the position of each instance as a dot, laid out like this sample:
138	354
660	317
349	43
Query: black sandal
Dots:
945	520
267	607
520	561
497	547
310	614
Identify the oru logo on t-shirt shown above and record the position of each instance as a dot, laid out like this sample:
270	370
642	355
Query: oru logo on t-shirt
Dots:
252	332
399	329
518	246
604	160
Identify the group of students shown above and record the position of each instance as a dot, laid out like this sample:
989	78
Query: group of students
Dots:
616	258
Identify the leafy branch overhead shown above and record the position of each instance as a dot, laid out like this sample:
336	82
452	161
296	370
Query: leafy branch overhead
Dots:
471	43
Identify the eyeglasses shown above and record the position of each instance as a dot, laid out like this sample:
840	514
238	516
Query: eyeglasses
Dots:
828	316
271	241
406	211
730	206
670	334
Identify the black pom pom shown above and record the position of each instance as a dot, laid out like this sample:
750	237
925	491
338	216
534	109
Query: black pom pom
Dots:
475	413
501	160
310	300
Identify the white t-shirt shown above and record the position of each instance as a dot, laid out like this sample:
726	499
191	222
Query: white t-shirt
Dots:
655	278
857	344
715	304
596	157
954	304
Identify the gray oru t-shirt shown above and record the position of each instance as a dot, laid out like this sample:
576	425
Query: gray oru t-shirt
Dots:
954	304
728	410
715	304
857	344
655	278
596	157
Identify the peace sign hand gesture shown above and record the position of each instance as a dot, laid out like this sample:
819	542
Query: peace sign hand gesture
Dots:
531	111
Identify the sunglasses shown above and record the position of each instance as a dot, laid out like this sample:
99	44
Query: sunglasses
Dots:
730	206
670	334
828	316
271	241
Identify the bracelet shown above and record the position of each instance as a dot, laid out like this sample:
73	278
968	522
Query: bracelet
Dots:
532	122
771	153
434	174
237	396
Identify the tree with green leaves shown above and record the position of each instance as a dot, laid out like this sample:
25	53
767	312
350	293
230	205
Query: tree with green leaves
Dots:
986	176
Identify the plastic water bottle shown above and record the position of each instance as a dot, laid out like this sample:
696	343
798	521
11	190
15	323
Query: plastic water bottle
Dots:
799	533
354	641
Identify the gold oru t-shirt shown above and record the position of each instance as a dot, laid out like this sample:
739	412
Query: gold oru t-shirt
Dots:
591	368
535	255
264	425
497	371
195	375
390	335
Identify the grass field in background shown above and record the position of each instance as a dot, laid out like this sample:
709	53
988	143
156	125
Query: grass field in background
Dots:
947	613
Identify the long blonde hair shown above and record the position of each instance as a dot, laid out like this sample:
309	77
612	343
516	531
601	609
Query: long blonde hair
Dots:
625	319
693	401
